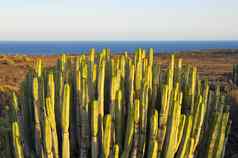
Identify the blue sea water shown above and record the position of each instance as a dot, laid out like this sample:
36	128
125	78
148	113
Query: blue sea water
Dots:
48	48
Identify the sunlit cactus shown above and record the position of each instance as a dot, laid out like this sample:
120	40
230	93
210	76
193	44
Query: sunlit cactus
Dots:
94	129
101	105
38	67
48	139
116	153
50	118
153	135
153	152
18	149
107	136
65	122
37	116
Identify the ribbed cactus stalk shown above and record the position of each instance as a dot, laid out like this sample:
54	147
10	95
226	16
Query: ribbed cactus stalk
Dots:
193	88
38	67
170	73
180	130
91	74
153	135
15	107
151	56
52	123
113	91
163	117
18	149
129	133
136	129
119	121
178	72
198	119
94	129
169	148
84	114
185	138
100	92
190	148
138	78
153	152
218	151
107	136
65	122
59	95
155	83
51	89
116	153
213	134
62	63
143	121
48	139
101	84
94	78
37	117
219	122
78	104
131	84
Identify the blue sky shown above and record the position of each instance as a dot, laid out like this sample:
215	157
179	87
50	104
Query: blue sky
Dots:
119	20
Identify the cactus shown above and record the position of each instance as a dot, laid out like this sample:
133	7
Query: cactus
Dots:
153	153
153	135
37	110
116	151
99	105
163	117
119	119
51	121
18	150
94	129
84	114
129	133
185	138
65	122
171	139
107	136
48	139
136	129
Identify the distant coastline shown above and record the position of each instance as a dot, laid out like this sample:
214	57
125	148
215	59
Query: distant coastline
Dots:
76	47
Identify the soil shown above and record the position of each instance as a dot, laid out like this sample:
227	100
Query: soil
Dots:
214	65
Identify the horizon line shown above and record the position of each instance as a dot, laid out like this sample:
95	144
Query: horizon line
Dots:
176	40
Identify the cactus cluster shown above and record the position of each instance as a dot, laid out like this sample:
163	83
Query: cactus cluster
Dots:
101	105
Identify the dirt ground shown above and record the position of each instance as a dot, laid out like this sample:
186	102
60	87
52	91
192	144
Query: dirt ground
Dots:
215	65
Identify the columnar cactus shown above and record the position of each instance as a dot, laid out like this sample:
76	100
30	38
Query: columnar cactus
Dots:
50	118
103	105
94	129
65	122
37	114
107	136
18	149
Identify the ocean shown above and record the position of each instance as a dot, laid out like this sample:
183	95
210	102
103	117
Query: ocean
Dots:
75	47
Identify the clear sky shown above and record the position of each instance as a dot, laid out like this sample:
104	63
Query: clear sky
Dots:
119	20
